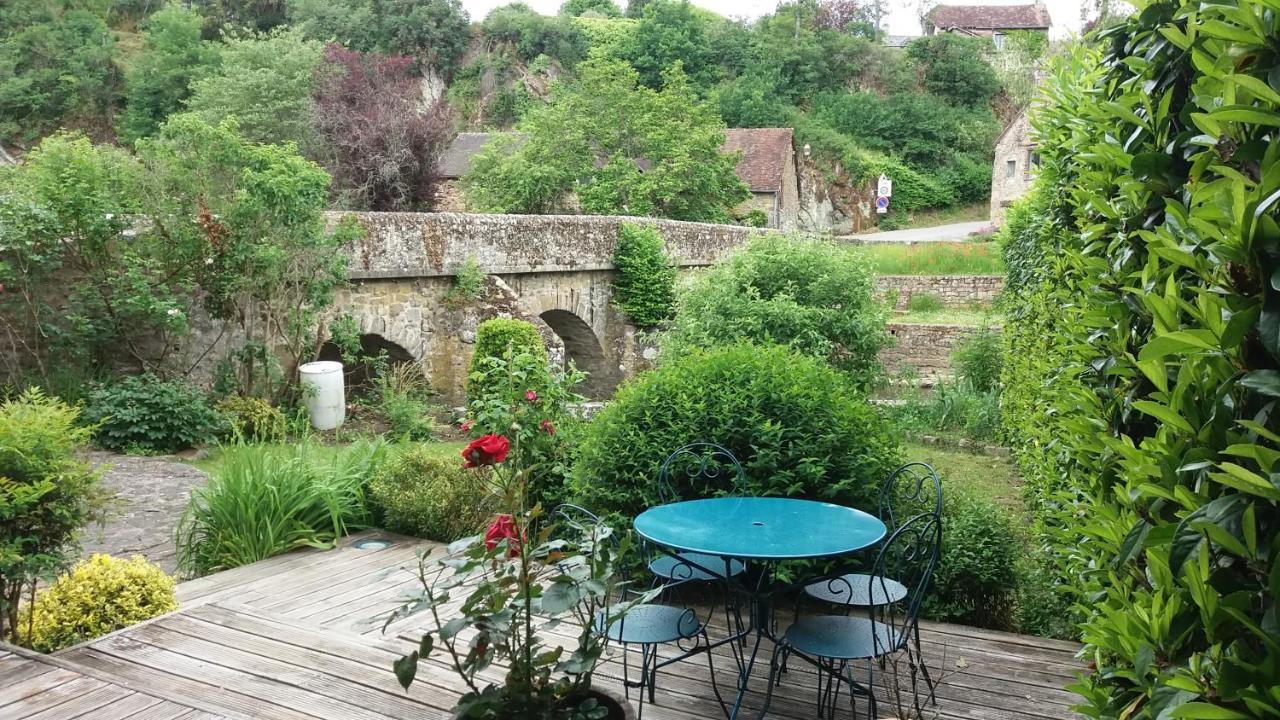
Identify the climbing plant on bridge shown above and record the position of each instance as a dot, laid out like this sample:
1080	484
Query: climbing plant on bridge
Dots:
1145	357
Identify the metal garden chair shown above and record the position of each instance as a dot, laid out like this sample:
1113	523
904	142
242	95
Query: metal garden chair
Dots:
910	490
835	643
646	625
701	470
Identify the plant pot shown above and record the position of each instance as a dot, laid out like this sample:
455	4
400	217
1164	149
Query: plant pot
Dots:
619	707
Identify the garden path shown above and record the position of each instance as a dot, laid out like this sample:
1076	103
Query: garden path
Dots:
150	496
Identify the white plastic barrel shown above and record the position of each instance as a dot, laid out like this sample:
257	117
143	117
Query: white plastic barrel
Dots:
322	388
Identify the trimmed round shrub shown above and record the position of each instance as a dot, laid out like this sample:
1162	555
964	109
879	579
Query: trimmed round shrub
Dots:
142	413
494	338
798	426
977	575
423	493
813	296
98	596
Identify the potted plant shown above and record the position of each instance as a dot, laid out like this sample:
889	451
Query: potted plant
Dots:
501	597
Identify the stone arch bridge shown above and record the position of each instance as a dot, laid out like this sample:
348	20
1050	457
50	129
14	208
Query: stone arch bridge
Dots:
554	271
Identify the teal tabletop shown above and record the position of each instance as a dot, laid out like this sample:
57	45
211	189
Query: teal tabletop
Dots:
760	528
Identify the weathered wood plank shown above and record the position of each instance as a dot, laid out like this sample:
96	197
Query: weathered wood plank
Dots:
33	680
47	697
83	705
130	707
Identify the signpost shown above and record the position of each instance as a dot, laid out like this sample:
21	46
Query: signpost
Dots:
884	189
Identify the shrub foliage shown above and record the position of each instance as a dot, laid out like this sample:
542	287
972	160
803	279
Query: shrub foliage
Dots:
141	412
423	493
1143	365
46	494
811	295
645	288
798	426
98	596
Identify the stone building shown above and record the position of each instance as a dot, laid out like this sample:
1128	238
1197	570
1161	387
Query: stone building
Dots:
1015	163
768	167
993	21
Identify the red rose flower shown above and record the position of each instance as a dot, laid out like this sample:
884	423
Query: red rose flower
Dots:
502	528
465	426
547	427
485	450
531	396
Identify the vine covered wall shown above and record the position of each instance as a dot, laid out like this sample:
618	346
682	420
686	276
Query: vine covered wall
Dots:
1143	337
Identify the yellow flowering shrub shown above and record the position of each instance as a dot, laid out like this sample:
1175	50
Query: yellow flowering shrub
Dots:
98	596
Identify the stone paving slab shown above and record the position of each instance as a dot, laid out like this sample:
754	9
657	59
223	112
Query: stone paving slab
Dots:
150	495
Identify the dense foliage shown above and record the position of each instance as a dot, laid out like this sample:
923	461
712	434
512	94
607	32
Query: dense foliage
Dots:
496	338
799	427
813	296
1142	366
976	579
433	32
142	413
46	495
266	83
381	146
98	596
159	81
645	286
424	493
619	147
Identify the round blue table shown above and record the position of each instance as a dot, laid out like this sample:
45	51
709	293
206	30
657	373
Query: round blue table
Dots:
766	530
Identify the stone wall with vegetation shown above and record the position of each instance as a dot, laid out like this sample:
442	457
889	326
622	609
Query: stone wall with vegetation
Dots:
927	348
950	289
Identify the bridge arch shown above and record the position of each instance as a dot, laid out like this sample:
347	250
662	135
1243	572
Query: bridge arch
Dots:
582	348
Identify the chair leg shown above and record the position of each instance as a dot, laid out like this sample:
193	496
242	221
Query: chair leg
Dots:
711	667
924	669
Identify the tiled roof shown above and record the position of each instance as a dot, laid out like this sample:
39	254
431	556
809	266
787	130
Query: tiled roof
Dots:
991	17
764	155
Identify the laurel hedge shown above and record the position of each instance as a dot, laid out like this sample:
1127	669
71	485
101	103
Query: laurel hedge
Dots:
1143	333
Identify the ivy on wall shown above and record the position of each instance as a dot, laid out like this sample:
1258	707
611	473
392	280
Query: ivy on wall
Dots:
1144	346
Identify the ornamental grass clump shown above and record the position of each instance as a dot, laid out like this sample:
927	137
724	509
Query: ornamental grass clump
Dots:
100	595
269	500
530	572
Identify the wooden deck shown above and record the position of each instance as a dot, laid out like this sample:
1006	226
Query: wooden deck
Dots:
295	637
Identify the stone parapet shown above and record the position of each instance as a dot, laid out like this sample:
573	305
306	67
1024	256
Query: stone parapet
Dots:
404	245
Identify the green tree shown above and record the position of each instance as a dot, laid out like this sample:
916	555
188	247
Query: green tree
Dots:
57	69
254	213
266	83
603	8
670	32
752	101
813	296
160	79
635	8
622	148
434	32
952	67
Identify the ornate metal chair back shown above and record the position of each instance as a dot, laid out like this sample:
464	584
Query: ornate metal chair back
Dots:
910	490
909	556
700	470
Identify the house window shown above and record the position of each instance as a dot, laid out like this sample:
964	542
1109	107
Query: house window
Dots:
1033	161
998	39
1010	168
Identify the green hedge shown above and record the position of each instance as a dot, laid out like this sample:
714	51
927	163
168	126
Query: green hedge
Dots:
798	426
1144	357
645	288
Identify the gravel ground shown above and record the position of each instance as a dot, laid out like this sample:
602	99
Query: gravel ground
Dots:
151	493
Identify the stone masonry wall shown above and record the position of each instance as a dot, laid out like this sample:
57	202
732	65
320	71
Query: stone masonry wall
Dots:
437	244
950	289
927	348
